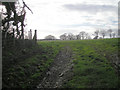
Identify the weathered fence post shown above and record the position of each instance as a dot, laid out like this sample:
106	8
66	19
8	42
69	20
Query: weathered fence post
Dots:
30	34
35	37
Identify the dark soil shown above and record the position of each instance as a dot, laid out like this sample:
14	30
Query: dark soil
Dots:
60	71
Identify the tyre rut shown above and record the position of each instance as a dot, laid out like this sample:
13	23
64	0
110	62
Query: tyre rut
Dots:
60	70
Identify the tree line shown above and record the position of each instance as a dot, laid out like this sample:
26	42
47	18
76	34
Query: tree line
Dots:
98	34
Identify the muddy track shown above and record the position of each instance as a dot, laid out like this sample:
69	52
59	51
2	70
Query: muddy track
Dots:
60	70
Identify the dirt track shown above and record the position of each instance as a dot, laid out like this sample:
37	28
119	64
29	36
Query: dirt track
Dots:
60	71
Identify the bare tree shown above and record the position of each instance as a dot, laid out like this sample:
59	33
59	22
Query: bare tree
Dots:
110	33
103	33
64	36
70	36
78	37
86	35
50	37
82	34
96	34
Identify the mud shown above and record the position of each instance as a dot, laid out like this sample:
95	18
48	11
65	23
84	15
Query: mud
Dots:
60	71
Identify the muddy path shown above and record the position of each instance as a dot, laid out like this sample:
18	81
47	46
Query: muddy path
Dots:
60	70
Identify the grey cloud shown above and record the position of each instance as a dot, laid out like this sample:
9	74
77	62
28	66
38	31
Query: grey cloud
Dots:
91	8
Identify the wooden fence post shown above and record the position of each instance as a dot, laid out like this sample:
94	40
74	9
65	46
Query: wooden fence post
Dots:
30	34
35	37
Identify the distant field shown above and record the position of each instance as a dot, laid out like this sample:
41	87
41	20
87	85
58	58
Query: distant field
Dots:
95	64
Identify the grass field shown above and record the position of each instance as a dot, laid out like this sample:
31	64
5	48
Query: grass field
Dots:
95	64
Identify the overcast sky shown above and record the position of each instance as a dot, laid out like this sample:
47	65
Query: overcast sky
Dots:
56	17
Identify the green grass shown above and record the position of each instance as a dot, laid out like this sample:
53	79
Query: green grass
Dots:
92	64
29	71
92	69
